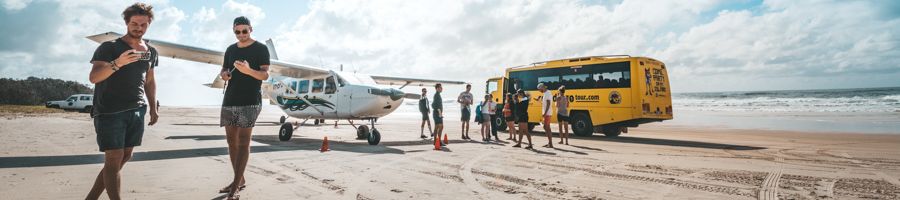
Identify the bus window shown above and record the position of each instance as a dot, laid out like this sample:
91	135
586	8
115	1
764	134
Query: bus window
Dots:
492	86
303	87
330	86
577	81
317	85
550	81
618	79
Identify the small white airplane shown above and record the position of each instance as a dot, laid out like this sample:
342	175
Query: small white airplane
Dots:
307	92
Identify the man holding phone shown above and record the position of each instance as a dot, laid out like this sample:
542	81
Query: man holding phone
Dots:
245	66
122	73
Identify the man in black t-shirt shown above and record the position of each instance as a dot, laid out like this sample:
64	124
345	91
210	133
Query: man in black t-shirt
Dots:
122	72
245	66
424	109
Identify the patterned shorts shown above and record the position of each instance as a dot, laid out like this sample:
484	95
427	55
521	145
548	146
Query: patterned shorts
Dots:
240	116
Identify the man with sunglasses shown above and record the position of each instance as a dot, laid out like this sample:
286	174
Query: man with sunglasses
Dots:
245	66
122	72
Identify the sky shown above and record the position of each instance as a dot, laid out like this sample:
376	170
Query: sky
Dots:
707	45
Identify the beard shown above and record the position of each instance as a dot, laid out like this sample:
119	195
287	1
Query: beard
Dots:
136	34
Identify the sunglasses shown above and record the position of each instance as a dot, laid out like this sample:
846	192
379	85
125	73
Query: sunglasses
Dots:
245	31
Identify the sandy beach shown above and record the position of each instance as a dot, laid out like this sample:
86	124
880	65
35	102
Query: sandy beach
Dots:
54	156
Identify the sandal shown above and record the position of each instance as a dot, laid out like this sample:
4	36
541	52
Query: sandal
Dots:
227	189
529	147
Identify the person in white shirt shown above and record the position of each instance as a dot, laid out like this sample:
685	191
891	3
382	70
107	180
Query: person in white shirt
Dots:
546	112
487	110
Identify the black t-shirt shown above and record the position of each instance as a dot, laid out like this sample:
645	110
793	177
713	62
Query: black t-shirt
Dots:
522	109
437	103
124	89
243	89
423	105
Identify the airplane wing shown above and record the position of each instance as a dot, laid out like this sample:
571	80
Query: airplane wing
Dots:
392	80
202	55
276	67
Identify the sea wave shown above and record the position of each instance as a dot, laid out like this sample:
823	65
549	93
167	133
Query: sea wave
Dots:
843	100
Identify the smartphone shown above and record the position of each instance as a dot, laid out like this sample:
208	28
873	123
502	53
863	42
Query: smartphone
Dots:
145	55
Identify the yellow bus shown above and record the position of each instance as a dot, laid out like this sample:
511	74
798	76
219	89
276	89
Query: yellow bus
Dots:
606	94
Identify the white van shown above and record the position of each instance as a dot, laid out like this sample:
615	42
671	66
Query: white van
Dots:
80	102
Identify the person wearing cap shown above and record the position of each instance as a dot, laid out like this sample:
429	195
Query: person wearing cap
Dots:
546	102
424	109
522	118
245	66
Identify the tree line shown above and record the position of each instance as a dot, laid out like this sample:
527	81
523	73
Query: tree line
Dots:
37	91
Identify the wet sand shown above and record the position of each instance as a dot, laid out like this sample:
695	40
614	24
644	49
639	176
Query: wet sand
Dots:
54	156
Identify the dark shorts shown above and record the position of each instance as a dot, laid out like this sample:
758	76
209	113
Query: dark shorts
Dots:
239	116
424	115
522	119
562	118
466	114
510	118
120	130
437	118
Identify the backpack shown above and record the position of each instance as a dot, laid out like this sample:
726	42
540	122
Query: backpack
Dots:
478	116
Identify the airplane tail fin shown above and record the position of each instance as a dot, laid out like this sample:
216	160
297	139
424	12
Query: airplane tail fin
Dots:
271	46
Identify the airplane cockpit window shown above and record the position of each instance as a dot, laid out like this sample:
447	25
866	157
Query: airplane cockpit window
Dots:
330	86
293	86
303	87
317	85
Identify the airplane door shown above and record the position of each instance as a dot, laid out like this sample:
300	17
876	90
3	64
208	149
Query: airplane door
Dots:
344	98
333	96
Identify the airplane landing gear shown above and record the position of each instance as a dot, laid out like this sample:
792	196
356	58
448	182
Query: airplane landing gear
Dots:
282	120
373	136
286	131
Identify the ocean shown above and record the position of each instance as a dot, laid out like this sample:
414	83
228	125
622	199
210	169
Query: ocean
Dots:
831	100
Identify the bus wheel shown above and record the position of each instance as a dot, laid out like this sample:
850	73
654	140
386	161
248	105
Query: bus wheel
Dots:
611	131
501	123
582	125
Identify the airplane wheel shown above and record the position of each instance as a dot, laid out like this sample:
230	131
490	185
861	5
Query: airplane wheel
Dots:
362	132
375	138
282	120
285	133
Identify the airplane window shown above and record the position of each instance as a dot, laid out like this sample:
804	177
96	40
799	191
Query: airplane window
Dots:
293	86
303	87
330	86
317	85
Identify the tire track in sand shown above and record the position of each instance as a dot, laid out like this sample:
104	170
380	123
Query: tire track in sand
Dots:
769	189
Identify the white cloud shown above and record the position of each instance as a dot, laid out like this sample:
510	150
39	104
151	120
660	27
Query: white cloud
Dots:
14	5
212	27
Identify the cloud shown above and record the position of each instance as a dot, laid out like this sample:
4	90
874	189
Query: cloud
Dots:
14	5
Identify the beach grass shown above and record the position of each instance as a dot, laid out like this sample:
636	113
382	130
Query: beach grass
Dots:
28	109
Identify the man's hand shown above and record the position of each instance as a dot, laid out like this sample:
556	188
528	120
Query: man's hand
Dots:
154	116
225	75
127	58
243	66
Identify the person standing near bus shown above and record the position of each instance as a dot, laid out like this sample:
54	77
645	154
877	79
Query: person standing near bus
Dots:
465	100
509	115
546	102
423	108
562	115
522	118
487	111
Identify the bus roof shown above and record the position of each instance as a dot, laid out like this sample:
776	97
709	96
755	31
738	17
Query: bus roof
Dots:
576	59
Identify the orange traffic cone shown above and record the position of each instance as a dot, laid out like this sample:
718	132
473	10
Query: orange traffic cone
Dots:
437	144
324	145
445	139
